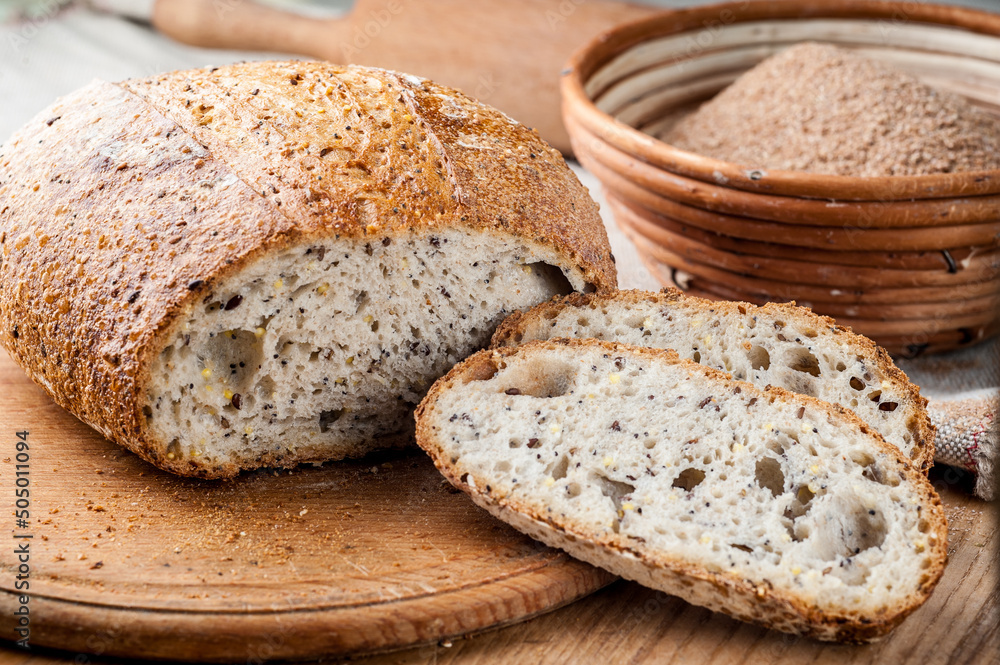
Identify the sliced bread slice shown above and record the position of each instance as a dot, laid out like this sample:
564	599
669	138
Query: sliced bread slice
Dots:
772	507
777	344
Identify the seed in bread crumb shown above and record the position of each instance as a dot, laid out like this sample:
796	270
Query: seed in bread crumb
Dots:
206	373
614	378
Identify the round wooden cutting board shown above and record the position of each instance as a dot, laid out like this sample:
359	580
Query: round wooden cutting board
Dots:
377	554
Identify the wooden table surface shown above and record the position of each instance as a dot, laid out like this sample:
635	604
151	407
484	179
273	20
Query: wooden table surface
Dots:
626	623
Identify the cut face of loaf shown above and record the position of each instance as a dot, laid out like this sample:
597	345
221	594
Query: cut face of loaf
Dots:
296	358
777	344
268	263
772	507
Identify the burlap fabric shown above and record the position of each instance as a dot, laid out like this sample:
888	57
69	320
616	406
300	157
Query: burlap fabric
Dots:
964	392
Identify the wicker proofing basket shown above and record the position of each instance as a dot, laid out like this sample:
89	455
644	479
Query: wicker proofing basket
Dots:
911	261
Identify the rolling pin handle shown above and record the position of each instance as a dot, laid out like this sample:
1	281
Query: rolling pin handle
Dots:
246	26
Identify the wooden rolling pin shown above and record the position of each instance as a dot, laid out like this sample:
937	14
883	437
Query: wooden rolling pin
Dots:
507	53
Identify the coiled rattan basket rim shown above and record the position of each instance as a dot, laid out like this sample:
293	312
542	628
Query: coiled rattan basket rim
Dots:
592	57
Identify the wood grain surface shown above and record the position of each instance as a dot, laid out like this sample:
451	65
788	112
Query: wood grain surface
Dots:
626	623
129	560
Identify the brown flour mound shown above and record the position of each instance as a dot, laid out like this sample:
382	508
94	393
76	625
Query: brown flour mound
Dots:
815	107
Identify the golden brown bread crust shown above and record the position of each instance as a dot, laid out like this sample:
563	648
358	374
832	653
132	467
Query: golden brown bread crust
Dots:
741	598
122	205
508	334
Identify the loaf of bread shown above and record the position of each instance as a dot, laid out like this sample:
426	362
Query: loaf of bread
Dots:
777	344
770	506
270	263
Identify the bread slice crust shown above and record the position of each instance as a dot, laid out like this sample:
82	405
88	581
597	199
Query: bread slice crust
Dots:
540	323
124	206
754	601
